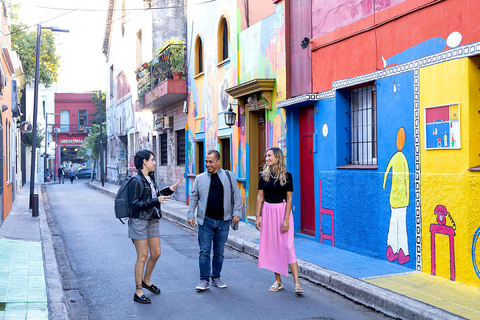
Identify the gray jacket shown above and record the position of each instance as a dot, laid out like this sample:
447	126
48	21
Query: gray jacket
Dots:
199	196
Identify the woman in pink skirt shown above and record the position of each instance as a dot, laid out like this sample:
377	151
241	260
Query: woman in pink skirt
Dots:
274	204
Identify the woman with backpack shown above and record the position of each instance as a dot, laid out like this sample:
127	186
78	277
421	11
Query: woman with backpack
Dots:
143	224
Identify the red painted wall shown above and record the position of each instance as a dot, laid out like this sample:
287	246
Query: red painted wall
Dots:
350	51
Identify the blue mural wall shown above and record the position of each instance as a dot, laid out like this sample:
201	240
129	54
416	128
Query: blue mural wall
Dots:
360	204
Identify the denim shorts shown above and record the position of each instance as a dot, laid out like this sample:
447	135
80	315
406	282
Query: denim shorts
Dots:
140	229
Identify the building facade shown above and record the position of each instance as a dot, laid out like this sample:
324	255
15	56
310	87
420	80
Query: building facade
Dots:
394	145
145	104
74	115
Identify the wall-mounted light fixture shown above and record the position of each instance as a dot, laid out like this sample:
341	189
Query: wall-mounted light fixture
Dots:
230	116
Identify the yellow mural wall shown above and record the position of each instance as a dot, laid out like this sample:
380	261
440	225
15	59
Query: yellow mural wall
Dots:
445	176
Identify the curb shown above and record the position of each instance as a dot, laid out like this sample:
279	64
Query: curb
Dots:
383	300
57	300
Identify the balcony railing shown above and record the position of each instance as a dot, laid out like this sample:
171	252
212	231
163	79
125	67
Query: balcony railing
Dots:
66	128
169	64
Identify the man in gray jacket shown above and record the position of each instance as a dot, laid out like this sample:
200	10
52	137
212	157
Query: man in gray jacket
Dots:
212	197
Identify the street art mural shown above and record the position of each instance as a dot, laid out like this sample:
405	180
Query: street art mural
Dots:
425	48
440	228
397	241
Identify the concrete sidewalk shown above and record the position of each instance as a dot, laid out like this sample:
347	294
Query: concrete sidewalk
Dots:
30	284
387	287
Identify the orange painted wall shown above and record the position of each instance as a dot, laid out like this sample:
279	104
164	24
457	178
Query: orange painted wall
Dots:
362	53
6	99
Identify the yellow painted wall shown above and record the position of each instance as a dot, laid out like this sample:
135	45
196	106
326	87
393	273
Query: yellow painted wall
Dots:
445	178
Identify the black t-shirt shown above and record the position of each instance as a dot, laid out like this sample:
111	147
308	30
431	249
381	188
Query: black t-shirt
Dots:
273	192
215	199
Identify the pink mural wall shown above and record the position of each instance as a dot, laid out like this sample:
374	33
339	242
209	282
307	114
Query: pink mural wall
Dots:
331	15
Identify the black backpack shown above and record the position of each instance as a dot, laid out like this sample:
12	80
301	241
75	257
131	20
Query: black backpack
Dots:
122	205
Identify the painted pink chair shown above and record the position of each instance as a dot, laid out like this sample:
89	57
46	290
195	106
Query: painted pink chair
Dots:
323	211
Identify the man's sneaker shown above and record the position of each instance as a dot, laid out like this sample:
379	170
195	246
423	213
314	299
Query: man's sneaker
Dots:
217	282
202	286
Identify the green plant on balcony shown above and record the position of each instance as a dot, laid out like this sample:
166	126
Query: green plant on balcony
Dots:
174	51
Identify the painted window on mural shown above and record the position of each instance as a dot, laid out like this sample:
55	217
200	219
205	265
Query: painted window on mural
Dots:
180	147
363	126
163	150
442	126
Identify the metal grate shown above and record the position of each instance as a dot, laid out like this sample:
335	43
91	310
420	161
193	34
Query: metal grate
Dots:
363	126
180	147
163	149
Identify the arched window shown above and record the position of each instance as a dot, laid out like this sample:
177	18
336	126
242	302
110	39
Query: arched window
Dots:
199	56
222	40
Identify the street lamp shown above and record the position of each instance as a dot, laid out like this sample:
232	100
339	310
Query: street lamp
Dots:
46	142
55	173
33	196
230	116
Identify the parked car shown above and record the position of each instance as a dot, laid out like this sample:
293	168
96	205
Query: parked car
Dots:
85	173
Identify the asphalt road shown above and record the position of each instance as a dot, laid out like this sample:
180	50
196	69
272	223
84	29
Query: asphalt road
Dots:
96	260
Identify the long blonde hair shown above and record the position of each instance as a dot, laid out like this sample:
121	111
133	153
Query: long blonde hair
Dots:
279	170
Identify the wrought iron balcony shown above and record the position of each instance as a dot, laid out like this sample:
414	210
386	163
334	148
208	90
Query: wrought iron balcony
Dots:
169	64
69	129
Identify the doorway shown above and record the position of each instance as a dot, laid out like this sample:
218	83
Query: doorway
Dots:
256	140
306	131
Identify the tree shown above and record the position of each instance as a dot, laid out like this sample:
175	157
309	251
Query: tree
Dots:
27	137
91	145
24	42
95	114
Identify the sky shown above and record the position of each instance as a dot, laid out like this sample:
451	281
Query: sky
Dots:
82	63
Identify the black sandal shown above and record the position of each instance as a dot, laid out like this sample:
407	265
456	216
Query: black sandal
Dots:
152	288
141	299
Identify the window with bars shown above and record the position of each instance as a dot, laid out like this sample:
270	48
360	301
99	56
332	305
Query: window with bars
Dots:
180	147
154	146
163	150
363	126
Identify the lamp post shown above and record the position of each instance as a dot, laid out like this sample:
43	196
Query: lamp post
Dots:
46	143
33	196
55	173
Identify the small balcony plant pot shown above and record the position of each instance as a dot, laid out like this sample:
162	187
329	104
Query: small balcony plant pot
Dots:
177	75
145	65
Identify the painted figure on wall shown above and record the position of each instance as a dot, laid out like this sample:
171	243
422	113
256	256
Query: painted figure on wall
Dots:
441	228
397	241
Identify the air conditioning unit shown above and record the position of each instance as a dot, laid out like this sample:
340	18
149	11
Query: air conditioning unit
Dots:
167	122
157	122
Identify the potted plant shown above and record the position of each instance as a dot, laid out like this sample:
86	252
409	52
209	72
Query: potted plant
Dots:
173	50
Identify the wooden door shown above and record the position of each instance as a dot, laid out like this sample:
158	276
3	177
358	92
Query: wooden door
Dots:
306	131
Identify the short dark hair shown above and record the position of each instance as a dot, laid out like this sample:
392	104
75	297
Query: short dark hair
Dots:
140	156
217	154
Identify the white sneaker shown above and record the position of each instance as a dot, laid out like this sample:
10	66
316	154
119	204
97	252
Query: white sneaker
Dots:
202	286
217	282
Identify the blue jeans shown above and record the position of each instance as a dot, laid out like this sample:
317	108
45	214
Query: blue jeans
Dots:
215	231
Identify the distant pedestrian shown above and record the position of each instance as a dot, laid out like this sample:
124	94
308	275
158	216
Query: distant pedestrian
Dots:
274	205
61	173
71	174
212	192
143	224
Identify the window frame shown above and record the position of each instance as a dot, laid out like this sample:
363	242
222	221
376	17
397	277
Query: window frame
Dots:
163	156
199	63
223	41
180	152
199	157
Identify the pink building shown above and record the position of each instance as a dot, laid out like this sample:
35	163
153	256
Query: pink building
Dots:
75	114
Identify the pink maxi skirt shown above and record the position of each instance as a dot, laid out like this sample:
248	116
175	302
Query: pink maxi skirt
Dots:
277	249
